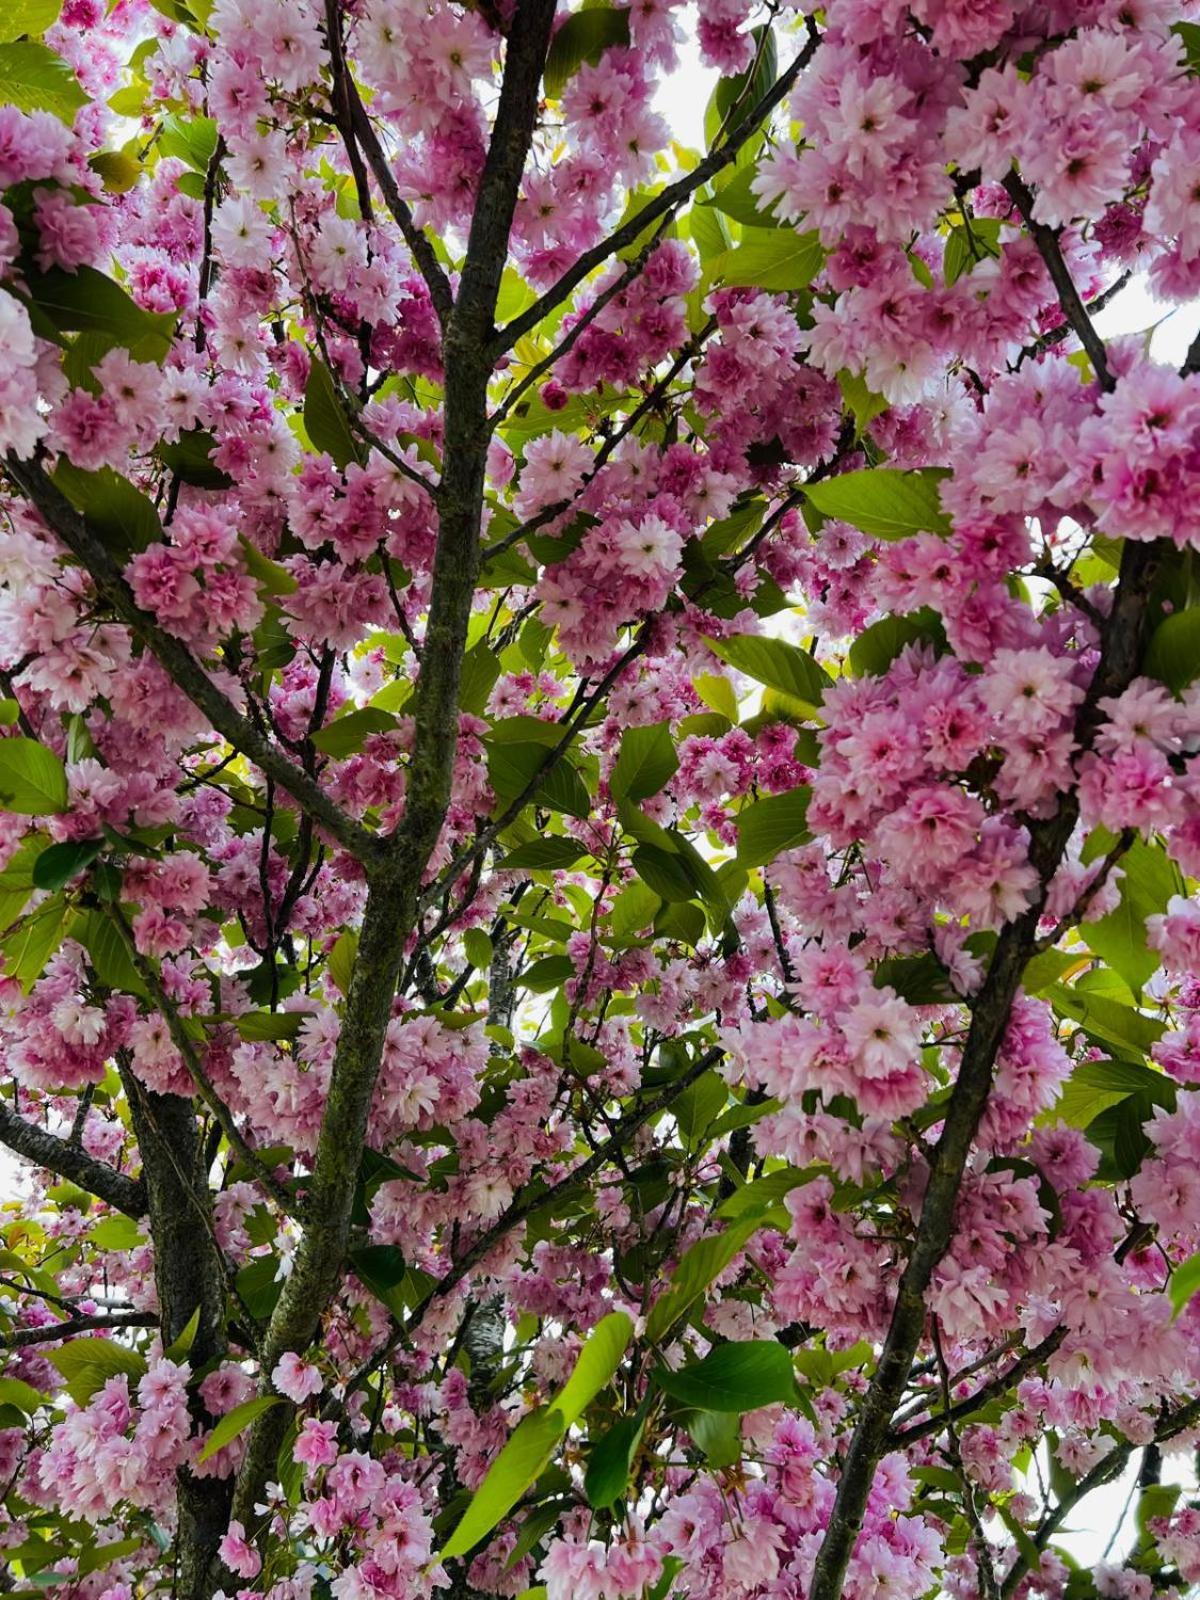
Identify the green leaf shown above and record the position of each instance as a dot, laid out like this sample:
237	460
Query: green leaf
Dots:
33	78
33	781
16	881
664	873
341	959
773	259
109	952
534	1439
30	945
738	1377
736	199
270	577
966	247
345	736
1189	35
87	299
1094	1086
551	854
1119	938
646	762
1173	655
259	1287
584	36
633	910
766	828
27	16
264	1025
122	515
776	663
325	420
546	974
116	1233
758	1198
58	864
190	458
88	1364
519	1463
598	1360
480	669
695	1270
16	1392
97	1556
883	502
697	1107
921	980
611	1461
876	647
382	1269
179	1347
1185	1282
478	948
513	767
1119	1026
190	139
718	1434
236	1422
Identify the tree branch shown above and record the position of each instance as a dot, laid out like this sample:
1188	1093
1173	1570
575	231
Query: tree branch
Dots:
182	666
363	129
73	1163
669	200
394	876
1122	646
532	1200
22	1338
1074	310
1106	1469
1026	1363
195	1068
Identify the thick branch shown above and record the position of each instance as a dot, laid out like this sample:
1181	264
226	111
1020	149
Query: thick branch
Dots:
672	197
178	661
189	1275
394	880
1122	647
71	1162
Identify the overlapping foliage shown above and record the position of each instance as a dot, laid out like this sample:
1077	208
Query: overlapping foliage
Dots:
598	799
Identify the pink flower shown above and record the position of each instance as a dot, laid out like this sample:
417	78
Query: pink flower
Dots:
237	1554
297	1379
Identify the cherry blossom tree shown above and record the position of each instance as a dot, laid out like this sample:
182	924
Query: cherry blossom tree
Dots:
599	799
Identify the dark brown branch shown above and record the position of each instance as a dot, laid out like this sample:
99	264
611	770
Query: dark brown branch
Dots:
195	1069
22	1338
416	239
1074	310
1002	1384
671	198
190	1278
73	1163
180	664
